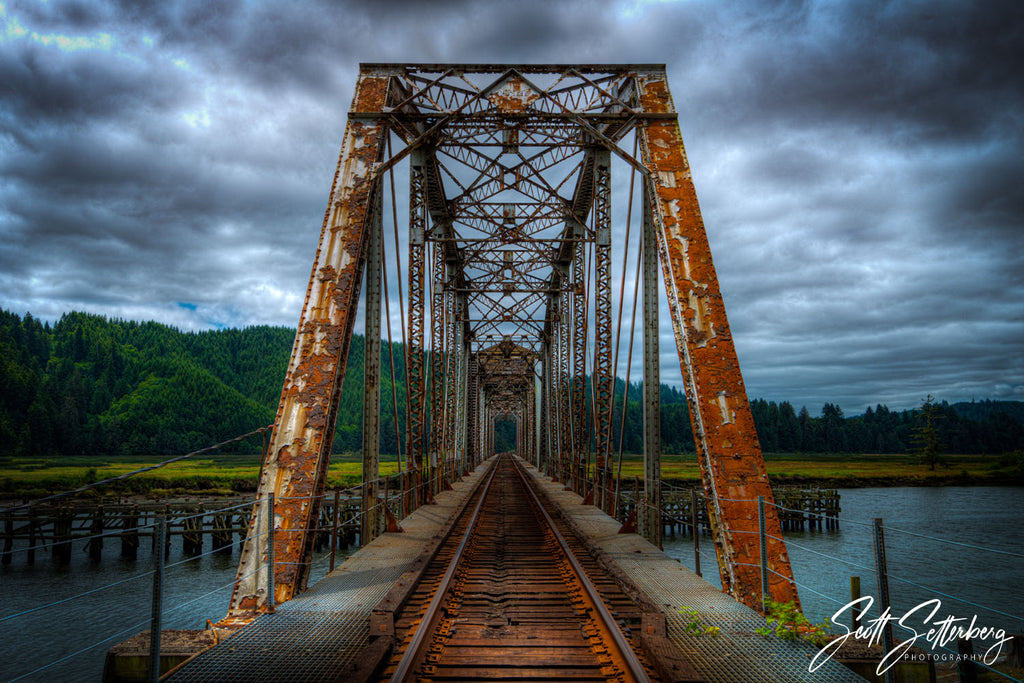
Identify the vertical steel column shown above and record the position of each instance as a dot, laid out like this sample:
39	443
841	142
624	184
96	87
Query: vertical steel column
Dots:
537	389
556	395
295	468
763	539
545	407
438	319
415	372
565	452
579	358
650	519
882	580
603	377
490	432
371	379
478	421
732	467
531	410
271	559
157	611
459	415
451	376
521	440
473	419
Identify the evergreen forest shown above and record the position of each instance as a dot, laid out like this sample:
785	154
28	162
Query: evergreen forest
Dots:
91	385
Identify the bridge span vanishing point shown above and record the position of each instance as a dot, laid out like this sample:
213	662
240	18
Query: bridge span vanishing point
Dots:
496	184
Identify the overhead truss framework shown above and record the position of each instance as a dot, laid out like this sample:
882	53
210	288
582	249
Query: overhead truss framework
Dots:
509	301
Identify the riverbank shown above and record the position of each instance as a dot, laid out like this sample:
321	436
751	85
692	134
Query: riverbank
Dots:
862	470
227	475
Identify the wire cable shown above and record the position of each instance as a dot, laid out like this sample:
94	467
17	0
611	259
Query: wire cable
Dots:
76	596
130	629
957	543
126	475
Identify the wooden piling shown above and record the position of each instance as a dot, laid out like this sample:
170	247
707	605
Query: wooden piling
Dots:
220	536
192	534
61	548
8	540
32	524
96	528
130	533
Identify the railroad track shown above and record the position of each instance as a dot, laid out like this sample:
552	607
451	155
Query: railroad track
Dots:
508	595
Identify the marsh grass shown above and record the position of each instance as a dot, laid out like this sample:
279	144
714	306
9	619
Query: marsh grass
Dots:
32	477
837	470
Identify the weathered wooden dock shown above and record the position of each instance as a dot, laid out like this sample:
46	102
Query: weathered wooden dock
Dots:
222	522
130	525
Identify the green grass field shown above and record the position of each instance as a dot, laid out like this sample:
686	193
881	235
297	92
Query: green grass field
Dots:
843	469
226	474
212	474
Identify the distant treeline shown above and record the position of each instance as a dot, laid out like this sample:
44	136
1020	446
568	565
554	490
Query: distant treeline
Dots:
92	385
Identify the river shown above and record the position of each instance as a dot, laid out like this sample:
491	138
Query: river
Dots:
83	628
968	580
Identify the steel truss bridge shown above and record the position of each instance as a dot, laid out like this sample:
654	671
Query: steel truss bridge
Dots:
507	306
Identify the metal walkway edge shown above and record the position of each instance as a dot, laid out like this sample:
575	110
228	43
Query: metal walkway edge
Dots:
317	635
737	654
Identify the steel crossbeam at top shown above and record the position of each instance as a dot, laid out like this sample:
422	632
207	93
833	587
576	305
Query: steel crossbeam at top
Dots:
509	300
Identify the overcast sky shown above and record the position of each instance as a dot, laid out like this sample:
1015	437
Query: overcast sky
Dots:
860	165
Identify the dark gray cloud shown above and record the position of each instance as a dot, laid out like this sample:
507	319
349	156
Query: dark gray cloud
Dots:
859	165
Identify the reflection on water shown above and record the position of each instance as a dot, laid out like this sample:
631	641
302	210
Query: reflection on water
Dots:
194	590
919	568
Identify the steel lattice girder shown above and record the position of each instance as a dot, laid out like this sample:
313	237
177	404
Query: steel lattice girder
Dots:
603	380
438	317
579	372
508	164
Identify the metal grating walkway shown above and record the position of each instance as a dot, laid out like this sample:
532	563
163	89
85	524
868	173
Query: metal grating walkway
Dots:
317	636
737	654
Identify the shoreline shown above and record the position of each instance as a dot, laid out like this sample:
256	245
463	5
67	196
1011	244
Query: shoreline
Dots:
219	477
897	481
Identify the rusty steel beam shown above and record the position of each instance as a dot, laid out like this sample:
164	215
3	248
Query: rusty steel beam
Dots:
546	410
732	466
463	345
438	318
371	525
603	371
296	463
564	390
415	372
579	368
450	374
650	510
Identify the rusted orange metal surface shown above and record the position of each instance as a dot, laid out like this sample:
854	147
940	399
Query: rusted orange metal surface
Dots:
732	466
296	463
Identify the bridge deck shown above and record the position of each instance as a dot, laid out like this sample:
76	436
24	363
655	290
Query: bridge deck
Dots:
737	653
317	636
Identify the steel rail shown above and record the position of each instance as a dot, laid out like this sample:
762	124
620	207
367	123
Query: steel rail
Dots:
636	669
426	626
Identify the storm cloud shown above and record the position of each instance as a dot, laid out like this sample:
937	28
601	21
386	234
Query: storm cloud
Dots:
860	165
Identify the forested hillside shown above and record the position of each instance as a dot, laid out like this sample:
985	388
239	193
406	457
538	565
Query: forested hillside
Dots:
90	385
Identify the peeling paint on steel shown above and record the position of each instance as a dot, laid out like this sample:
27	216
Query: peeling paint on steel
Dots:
295	470
732	467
